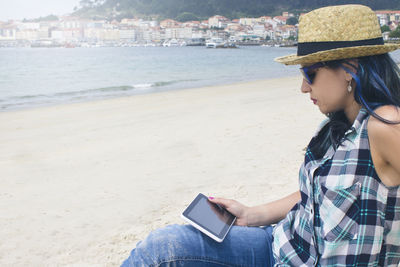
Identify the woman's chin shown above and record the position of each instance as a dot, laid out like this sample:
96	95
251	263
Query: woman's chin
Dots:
327	111
323	111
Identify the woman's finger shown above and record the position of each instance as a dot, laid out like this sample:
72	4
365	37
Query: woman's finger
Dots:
221	201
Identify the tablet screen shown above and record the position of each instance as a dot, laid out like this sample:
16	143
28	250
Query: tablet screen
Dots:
209	215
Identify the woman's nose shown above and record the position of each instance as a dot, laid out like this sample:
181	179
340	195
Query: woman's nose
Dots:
305	87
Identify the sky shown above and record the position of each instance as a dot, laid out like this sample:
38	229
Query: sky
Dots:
20	9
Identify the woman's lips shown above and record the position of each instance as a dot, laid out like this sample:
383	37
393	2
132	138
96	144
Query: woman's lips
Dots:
314	100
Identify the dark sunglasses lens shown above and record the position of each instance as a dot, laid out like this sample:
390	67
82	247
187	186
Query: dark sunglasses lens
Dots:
304	74
307	75
311	76
310	72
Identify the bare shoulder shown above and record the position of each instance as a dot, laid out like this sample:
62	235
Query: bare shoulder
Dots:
384	140
388	112
377	128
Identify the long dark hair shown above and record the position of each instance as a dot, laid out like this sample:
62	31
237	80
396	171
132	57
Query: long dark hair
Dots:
377	84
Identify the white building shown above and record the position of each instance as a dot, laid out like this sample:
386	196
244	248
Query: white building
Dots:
157	35
98	24
127	34
185	33
218	21
263	19
383	19
281	20
70	24
169	23
29	26
57	35
178	33
7	33
146	35
131	22
171	33
247	21
272	22
92	33
385	35
29	35
259	30
110	35
270	34
386	16
43	33
153	23
198	34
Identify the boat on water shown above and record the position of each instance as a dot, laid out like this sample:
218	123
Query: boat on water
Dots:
230	45
196	42
174	42
219	43
215	42
45	43
171	42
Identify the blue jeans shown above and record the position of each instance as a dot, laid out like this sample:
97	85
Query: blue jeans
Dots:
183	245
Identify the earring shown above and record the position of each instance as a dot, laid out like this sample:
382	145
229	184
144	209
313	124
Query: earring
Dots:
349	88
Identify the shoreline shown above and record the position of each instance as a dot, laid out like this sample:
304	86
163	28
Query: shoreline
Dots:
57	79
83	182
138	93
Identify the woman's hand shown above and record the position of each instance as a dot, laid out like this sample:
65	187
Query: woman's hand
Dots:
236	208
265	214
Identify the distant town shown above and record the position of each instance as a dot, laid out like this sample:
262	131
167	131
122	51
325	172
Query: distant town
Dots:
217	31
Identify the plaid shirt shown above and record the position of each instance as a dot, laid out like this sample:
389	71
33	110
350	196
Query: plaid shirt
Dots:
346	216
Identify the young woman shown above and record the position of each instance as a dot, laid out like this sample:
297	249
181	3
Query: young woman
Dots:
347	210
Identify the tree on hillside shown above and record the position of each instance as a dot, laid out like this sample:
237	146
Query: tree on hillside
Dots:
385	28
207	8
292	21
186	16
395	33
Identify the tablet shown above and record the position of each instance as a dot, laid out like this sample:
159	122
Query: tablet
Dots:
209	218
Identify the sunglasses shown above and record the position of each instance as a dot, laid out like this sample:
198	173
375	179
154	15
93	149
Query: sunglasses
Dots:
309	74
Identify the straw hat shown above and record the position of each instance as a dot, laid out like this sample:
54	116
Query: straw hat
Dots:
338	32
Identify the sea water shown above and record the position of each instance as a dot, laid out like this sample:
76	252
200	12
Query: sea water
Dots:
32	77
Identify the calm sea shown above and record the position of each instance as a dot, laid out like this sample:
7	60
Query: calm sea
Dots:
32	77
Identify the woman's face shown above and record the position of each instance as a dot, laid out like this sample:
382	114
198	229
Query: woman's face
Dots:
329	89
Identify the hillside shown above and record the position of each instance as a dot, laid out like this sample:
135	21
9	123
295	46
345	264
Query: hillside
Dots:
184	10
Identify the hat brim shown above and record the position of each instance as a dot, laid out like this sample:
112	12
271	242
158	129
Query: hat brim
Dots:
338	53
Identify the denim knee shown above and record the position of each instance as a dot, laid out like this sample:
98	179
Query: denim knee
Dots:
161	245
183	245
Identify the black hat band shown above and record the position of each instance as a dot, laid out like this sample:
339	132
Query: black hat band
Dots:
307	48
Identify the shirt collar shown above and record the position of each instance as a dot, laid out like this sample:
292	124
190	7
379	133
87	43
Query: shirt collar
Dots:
356	127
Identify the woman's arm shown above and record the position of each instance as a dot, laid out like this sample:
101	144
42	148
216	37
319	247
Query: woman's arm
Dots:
272	212
265	214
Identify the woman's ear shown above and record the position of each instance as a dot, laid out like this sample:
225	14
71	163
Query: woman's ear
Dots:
348	76
352	64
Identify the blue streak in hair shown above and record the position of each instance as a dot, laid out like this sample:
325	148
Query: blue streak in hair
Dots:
358	88
381	84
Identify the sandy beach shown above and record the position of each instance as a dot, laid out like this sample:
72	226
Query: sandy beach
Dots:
82	183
